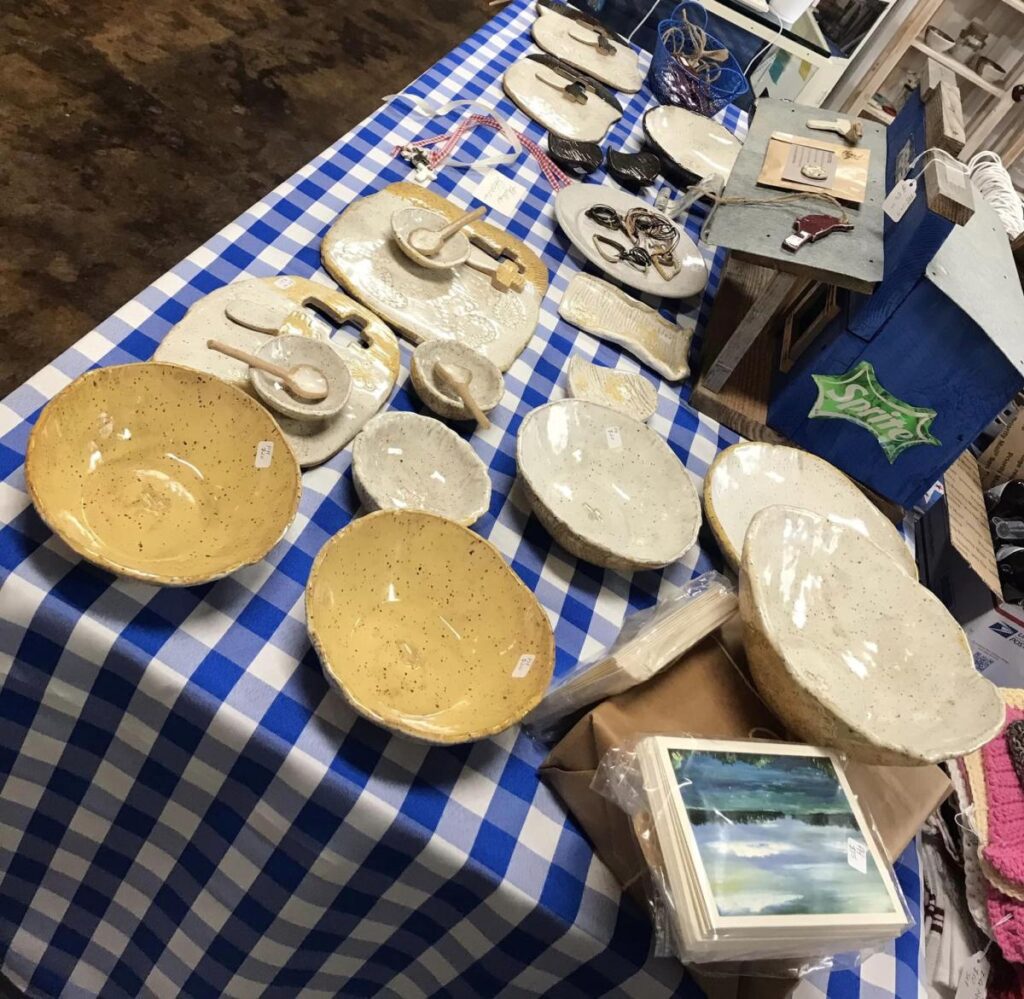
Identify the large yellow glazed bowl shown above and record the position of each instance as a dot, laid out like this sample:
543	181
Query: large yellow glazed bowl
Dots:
424	629
162	473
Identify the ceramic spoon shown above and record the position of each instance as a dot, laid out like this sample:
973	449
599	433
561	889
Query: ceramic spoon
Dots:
429	242
851	131
303	381
457	378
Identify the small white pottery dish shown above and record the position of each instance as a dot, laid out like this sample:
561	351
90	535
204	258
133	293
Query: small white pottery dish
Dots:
607	312
606	487
749	476
690	146
587	45
619	390
561	99
571	205
290	351
851	652
486	382
406	222
403	461
423	628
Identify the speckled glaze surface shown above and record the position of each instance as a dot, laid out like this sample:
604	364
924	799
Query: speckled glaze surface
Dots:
292	351
162	473
606	487
601	309
487	383
407	221
691	145
372	358
561	36
461	305
747	477
851	652
571	204
619	390
403	461
424	629
536	85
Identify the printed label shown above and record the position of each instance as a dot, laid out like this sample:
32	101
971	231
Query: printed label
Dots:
899	199
857	854
974	978
614	437
523	666
500	193
284	282
264	454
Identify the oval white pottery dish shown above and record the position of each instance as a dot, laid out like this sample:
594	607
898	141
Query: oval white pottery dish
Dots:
486	383
850	652
402	461
622	391
690	146
606	487
290	351
747	477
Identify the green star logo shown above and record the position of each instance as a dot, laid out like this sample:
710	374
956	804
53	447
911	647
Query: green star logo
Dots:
858	397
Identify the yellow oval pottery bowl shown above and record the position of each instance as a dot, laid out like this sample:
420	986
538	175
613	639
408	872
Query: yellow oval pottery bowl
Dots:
424	629
162	473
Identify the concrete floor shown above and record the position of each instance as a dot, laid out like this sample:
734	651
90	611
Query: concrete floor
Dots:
130	132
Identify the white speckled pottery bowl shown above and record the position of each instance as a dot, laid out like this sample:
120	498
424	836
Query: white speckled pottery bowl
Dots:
747	477
424	629
851	652
487	384
402	461
162	473
408	221
606	487
290	351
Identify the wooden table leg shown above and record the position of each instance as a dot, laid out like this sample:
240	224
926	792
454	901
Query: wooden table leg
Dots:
751	326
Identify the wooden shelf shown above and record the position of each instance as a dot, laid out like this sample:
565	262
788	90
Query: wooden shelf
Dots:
959	68
1017	5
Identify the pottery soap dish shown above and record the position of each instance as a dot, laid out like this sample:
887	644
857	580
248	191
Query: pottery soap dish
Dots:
402	461
485	380
604	311
423	628
747	477
691	147
851	652
625	393
606	487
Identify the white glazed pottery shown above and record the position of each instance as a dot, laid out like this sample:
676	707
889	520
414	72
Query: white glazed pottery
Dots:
571	204
619	390
690	146
747	477
402	461
601	309
937	39
568	34
290	351
851	652
486	383
406	222
607	488
537	86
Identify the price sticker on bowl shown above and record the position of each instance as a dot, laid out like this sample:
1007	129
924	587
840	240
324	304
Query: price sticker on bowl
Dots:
264	454
857	854
614	437
523	666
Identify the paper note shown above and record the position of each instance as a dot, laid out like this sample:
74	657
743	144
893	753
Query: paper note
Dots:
1003	459
899	199
614	437
500	193
523	666
974	978
264	454
857	854
968	521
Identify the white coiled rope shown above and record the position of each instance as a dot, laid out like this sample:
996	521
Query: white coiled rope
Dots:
993	182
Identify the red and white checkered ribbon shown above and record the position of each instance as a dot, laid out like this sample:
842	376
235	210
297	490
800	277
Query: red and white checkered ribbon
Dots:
446	144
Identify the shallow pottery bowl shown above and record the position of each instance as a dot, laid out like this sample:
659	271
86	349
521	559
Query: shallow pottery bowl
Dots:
750	476
289	351
851	652
487	385
406	222
690	146
162	473
402	461
606	487
424	629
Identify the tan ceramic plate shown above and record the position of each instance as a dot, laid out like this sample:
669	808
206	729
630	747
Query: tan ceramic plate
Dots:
425	630
162	473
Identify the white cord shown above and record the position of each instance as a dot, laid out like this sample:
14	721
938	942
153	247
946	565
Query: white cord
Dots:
995	186
767	45
642	21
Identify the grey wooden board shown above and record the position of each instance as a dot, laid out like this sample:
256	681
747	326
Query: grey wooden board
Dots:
974	268
755	232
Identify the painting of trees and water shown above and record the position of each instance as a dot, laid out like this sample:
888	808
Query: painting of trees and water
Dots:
773	833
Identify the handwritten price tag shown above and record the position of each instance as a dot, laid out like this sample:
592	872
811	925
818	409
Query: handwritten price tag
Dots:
857	854
614	437
899	199
500	193
264	454
523	667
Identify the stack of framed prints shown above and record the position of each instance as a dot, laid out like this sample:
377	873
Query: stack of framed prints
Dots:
763	852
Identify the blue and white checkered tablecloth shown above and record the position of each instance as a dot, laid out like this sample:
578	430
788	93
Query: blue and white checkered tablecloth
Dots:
187	809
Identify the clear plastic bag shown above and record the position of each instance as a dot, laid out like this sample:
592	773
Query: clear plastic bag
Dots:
756	851
649	641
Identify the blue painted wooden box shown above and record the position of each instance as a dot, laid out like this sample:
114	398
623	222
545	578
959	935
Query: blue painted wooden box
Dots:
902	381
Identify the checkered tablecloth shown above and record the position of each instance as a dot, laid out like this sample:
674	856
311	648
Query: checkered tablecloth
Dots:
185	806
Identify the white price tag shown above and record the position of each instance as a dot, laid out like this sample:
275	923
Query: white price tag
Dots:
500	193
899	199
614	437
264	454
284	282
857	854
974	978
523	666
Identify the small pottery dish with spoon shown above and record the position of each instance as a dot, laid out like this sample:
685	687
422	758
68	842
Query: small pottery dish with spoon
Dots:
291	351
486	382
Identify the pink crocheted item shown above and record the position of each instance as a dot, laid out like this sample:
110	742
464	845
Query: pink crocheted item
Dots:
1005	848
1006	916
